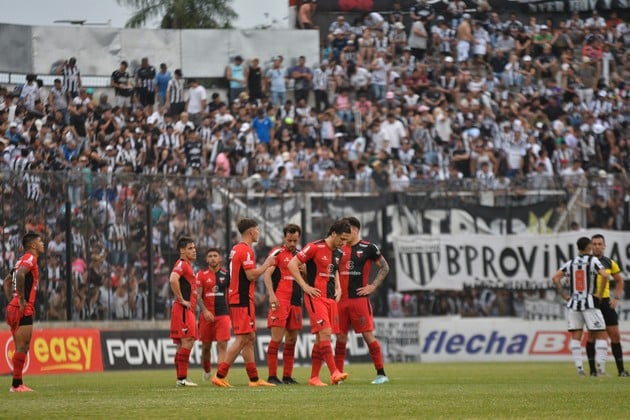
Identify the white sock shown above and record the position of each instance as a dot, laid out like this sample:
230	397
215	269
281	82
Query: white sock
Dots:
576	351
601	353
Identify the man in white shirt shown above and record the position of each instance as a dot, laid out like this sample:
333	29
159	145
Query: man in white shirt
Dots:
394	133
197	101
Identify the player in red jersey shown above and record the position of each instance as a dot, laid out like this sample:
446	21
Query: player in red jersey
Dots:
243	274
285	307
183	322
23	288
354	307
214	320
323	291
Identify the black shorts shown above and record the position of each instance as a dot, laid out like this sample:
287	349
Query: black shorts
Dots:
610	314
26	320
146	96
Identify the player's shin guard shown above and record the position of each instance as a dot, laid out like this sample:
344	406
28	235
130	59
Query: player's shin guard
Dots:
377	356
252	372
601	351
288	359
340	354
590	354
316	361
181	363
272	357
618	353
18	365
576	351
325	349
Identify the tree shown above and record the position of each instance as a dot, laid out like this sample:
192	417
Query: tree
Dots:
181	14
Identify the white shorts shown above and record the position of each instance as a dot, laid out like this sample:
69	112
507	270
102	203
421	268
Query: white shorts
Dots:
463	50
592	318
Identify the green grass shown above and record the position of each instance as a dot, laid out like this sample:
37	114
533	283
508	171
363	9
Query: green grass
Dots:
479	390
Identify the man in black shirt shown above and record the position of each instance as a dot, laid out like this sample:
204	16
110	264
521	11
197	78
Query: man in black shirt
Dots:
121	82
145	83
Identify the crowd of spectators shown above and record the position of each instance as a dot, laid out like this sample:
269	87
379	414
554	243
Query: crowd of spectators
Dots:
399	100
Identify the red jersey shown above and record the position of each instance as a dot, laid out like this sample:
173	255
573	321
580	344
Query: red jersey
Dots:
242	258
187	282
321	265
213	290
31	279
354	270
284	285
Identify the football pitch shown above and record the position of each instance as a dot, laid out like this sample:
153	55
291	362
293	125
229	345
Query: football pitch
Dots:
466	390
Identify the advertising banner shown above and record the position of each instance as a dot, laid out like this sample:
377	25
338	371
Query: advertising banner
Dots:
425	262
56	351
153	349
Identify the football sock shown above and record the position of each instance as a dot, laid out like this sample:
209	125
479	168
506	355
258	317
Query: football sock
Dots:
252	372
340	355
18	365
590	354
288	359
618	353
576	351
181	363
601	352
326	352
377	356
272	357
222	370
317	361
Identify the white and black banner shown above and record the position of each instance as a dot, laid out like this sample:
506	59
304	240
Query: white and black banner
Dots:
427	262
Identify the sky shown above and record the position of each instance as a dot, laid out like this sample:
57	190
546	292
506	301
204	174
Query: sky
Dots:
45	12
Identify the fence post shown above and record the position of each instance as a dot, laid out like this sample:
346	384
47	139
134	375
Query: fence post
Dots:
69	250
149	222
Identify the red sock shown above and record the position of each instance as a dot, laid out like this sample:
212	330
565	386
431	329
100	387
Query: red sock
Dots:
288	358
181	362
222	370
272	357
18	364
207	365
340	355
326	352
252	372
377	356
317	361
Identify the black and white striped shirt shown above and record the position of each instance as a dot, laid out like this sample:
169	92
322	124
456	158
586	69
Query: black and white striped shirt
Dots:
71	78
582	274
175	90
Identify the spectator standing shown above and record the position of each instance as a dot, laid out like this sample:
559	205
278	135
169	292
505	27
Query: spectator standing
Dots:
236	74
255	81
71	77
145	83
197	101
276	80
123	89
161	83
302	77
175	100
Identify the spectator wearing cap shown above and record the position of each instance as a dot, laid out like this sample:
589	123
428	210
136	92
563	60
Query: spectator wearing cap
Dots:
418	39
465	39
397	39
338	43
236	74
302	76
276	82
442	37
161	83
175	100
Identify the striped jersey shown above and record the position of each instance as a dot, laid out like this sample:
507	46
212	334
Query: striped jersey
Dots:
71	75
175	90
582	273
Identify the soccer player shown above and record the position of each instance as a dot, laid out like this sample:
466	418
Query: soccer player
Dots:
243	274
22	305
354	307
584	301
322	290
183	322
285	303
214	320
608	307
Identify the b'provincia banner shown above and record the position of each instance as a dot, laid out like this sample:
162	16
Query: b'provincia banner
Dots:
428	262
